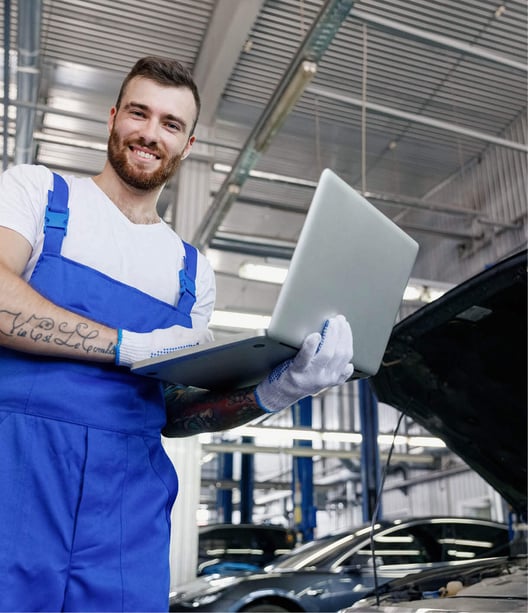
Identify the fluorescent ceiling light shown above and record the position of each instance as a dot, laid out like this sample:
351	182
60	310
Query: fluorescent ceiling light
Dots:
262	272
416	291
341	437
422	293
67	140
412	293
282	434
233	319
420	290
288	98
268	176
425	441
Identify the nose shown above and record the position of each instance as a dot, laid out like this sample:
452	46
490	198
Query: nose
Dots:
149	130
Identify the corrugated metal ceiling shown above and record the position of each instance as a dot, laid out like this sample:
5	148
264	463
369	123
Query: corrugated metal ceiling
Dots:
110	35
426	59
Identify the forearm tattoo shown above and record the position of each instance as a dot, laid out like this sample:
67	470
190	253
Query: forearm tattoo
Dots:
45	330
191	411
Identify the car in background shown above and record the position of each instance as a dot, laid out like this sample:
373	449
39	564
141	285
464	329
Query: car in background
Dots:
234	548
333	572
493	585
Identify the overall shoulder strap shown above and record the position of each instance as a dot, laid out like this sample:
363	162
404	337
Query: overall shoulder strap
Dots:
188	279
56	216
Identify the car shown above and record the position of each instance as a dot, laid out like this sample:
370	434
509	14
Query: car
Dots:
233	548
491	585
458	367
332	572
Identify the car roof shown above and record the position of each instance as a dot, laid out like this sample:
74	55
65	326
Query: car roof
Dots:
243	527
330	545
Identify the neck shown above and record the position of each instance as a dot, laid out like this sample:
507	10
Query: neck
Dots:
139	206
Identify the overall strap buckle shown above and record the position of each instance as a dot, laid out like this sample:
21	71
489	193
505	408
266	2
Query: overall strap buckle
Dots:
56	216
187	279
56	219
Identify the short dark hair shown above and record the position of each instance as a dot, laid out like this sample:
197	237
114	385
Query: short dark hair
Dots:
164	71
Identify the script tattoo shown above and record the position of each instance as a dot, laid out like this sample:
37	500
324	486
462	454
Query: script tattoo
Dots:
46	330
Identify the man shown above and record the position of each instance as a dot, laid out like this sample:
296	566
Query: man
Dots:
92	280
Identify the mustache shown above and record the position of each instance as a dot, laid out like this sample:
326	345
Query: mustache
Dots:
141	142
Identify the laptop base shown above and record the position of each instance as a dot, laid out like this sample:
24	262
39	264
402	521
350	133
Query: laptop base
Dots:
255	357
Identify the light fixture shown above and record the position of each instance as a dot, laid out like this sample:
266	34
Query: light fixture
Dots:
262	272
416	291
289	435
419	290
55	139
500	10
305	73
412	293
234	319
225	169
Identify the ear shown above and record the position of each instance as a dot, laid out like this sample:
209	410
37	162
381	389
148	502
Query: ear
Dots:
111	118
188	147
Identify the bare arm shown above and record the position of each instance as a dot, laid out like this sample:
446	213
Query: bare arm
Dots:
30	323
324	360
191	410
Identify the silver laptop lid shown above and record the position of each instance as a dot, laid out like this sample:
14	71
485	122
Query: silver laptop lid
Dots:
350	259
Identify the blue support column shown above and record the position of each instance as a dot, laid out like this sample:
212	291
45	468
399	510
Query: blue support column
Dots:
304	509
224	497
247	481
370	463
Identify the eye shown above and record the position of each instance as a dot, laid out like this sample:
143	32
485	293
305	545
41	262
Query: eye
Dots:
173	126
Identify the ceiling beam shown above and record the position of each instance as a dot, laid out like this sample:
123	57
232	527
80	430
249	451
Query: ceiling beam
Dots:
423	459
267	247
323	29
7	80
28	75
227	32
416	118
438	40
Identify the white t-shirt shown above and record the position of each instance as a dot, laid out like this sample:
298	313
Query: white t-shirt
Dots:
147	257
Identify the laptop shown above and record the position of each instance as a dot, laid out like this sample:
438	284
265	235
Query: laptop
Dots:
349	259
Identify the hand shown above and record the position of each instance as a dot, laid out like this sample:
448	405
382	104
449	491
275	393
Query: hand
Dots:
322	361
134	346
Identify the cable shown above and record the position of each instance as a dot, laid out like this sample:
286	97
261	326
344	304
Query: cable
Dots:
377	506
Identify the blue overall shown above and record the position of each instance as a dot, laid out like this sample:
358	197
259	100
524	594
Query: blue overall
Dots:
86	489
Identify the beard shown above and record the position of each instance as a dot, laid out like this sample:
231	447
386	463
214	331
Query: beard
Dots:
140	179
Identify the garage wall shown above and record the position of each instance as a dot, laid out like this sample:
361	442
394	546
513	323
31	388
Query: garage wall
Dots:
494	184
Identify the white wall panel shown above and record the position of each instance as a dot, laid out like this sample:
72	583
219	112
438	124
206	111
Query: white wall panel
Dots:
496	186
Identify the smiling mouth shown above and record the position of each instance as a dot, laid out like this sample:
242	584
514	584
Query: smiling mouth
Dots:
145	155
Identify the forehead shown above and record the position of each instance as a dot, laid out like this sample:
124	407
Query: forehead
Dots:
161	99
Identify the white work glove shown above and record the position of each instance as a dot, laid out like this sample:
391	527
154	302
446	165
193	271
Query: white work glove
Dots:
134	346
322	361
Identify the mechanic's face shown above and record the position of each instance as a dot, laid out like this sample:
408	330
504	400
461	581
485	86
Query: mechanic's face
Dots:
150	132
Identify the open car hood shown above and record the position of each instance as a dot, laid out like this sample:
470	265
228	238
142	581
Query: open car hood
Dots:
458	367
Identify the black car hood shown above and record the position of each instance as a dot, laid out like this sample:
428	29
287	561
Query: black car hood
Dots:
458	367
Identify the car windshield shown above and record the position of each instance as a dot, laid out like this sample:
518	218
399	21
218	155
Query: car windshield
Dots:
417	542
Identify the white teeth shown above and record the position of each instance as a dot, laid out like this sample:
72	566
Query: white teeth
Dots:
144	154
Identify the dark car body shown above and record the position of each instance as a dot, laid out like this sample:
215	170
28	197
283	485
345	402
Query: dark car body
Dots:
459	368
335	571
231	548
